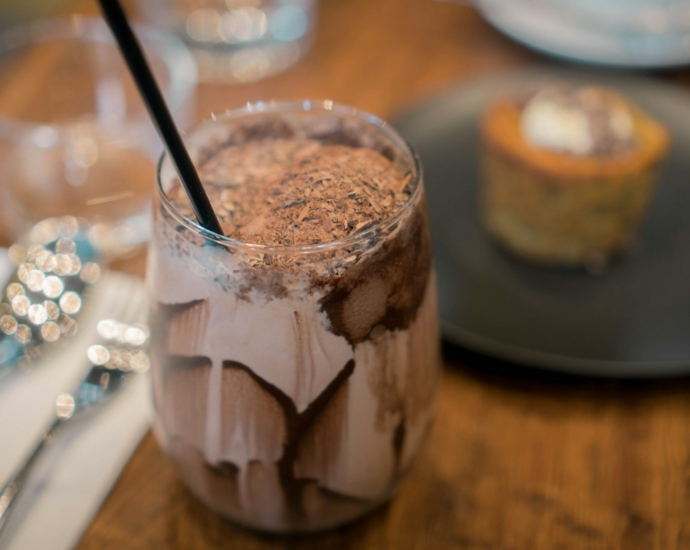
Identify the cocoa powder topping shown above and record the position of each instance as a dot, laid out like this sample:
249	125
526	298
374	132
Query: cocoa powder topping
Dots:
279	189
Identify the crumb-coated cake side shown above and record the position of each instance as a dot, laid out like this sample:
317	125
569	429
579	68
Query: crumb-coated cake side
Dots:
567	172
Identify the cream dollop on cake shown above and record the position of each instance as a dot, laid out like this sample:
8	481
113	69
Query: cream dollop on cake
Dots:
580	121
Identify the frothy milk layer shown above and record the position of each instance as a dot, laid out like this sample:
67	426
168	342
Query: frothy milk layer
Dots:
293	395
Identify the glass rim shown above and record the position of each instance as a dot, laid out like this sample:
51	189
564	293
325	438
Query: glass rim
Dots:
295	107
178	60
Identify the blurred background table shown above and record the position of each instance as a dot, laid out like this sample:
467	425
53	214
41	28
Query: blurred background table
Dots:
516	460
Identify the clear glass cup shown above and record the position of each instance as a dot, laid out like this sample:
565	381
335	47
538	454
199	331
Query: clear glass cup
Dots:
294	385
237	40
75	138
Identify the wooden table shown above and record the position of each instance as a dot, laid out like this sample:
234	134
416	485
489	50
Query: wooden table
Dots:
515	461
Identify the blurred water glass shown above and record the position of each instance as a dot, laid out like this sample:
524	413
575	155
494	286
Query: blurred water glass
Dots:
75	137
237	40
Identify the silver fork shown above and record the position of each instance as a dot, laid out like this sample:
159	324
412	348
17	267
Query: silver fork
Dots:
118	356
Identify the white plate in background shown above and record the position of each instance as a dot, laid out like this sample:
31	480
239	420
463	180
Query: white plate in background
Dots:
549	27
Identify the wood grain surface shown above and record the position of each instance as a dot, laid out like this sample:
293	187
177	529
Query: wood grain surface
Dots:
512	463
516	460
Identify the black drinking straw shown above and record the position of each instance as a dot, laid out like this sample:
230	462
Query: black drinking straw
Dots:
131	50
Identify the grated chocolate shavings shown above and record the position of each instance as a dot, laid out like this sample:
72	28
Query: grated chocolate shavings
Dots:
269	185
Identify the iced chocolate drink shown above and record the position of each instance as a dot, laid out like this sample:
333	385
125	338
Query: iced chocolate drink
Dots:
295	359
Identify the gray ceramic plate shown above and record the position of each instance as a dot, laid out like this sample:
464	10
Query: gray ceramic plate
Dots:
632	321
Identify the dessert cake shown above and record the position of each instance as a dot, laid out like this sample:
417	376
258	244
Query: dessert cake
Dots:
567	173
